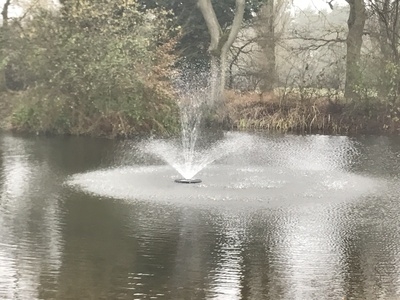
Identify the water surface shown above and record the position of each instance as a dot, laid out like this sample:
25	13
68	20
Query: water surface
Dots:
292	217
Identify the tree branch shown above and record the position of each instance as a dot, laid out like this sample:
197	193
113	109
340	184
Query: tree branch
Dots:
4	12
213	26
237	21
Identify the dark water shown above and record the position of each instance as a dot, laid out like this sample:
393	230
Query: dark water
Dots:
304	223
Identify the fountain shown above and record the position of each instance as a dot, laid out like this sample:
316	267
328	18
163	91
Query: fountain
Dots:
238	168
185	156
189	161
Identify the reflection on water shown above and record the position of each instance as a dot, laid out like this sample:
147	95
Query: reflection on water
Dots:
30	248
334	239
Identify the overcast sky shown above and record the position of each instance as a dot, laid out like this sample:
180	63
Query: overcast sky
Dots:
300	4
316	4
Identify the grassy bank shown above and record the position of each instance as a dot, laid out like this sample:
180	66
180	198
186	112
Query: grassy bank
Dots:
315	113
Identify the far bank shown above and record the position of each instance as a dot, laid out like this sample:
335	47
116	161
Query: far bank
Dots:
288	113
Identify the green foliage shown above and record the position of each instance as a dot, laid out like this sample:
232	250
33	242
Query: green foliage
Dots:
392	86
390	81
100	69
42	112
377	91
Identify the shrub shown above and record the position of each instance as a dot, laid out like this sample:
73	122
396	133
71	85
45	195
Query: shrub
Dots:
100	67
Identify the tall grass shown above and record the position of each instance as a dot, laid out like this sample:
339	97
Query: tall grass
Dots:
288	112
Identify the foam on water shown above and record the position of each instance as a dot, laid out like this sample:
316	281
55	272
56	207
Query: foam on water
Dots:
246	169
222	183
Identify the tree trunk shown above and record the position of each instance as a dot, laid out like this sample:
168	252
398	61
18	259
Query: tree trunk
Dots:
266	33
215	79
4	13
220	44
355	24
5	37
395	31
384	23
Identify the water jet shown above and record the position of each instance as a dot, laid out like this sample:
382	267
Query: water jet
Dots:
185	155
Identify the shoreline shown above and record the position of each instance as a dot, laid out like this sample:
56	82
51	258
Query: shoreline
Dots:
252	112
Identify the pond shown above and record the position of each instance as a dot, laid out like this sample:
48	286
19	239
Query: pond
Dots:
291	217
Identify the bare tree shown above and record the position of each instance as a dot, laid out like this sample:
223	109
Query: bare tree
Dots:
356	23
4	37
253	63
4	13
387	18
310	58
266	40
383	29
220	43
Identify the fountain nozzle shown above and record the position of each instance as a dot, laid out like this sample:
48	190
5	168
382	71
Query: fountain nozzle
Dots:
184	180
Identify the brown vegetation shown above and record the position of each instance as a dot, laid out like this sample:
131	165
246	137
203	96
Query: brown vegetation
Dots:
316	114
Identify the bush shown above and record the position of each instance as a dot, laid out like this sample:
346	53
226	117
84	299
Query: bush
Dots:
97	68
